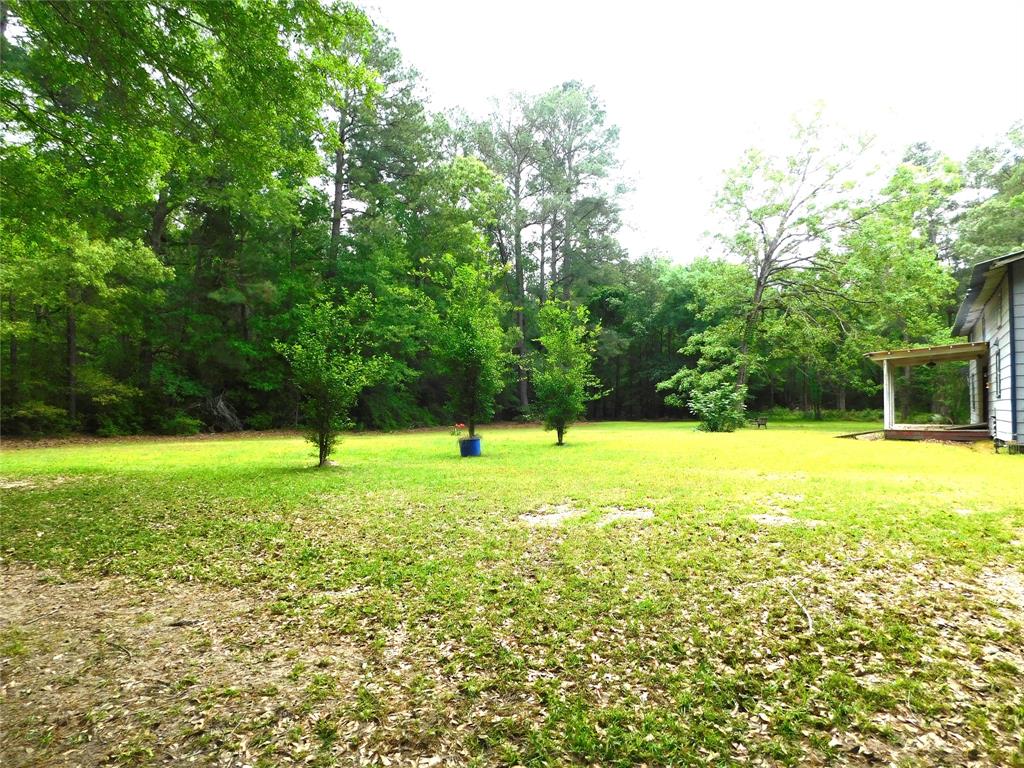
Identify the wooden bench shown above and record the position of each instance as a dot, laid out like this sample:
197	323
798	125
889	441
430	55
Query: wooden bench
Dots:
762	422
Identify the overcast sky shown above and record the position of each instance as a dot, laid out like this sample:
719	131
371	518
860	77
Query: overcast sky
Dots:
691	85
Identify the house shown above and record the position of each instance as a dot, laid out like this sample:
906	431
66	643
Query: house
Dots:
992	318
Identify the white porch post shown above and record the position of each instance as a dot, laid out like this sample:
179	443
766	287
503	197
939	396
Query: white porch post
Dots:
888	395
980	394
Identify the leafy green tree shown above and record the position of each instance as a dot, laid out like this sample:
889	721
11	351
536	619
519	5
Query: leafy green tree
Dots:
330	364
720	409
508	142
471	346
562	377
74	315
719	293
783	212
578	206
995	226
896	291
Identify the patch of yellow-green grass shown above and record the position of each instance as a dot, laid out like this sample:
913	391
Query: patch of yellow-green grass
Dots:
647	592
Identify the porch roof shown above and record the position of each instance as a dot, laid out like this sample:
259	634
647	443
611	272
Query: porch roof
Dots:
937	354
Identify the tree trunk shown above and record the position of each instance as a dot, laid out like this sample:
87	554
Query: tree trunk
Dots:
72	344
243	321
553	243
337	204
543	287
565	266
615	391
560	431
12	351
524	384
752	319
841	398
146	362
517	252
322	445
567	231
158	222
816	397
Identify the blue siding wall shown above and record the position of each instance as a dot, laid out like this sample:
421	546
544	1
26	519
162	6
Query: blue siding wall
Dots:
1016	279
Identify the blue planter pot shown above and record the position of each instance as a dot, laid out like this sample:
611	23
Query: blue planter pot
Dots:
469	446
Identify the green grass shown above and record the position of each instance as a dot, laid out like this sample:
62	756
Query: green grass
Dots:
675	640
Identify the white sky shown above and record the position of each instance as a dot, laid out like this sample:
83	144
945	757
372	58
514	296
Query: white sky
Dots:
691	85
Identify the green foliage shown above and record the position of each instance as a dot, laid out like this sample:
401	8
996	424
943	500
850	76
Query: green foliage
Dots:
720	408
164	217
331	365
716	295
35	419
181	424
562	377
471	346
783	414
996	225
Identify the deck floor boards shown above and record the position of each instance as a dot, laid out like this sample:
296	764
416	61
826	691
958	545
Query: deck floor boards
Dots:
956	435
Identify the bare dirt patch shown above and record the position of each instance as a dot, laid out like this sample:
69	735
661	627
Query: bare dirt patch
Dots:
618	513
8	484
774	520
551	515
23	443
779	506
1006	588
113	671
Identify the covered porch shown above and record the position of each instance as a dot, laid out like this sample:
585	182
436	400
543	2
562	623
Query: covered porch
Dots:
891	359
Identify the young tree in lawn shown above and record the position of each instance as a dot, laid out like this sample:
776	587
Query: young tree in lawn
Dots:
472	348
562	378
332	363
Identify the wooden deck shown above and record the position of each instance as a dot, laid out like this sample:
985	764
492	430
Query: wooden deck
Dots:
970	433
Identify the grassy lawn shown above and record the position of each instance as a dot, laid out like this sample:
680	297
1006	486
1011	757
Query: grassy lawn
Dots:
645	594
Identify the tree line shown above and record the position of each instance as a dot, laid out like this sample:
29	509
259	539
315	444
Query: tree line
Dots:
191	189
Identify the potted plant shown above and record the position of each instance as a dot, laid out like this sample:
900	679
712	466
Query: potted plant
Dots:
473	349
469	445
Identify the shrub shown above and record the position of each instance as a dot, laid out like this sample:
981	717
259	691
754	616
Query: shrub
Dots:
35	419
109	407
260	421
781	413
180	424
721	408
110	427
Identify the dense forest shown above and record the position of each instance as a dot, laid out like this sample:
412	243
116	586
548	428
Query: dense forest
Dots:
181	177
